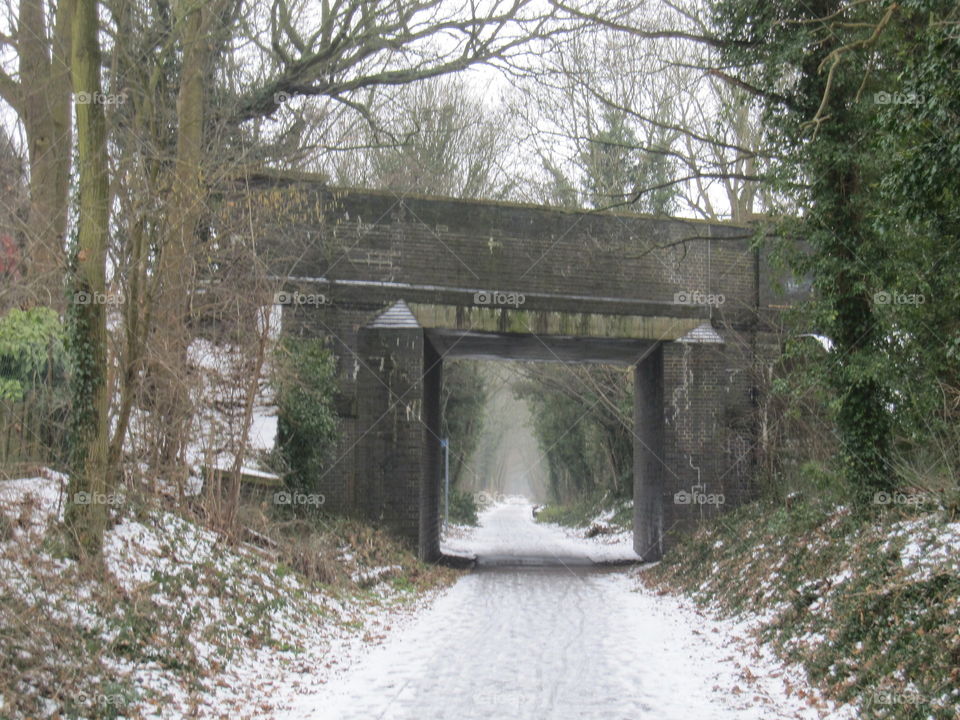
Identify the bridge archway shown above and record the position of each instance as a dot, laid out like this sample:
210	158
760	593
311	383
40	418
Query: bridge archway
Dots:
399	387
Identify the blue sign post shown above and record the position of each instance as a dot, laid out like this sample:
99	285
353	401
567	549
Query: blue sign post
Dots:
445	444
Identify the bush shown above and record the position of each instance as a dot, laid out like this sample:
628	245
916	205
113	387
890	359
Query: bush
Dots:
307	424
463	508
582	512
34	394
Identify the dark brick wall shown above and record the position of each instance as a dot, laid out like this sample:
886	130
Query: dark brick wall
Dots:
391	446
709	433
432	461
312	231
648	450
689	426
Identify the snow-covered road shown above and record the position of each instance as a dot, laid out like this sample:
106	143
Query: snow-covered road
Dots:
509	536
552	637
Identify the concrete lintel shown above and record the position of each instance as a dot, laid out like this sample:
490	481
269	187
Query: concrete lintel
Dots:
544	323
476	345
340	290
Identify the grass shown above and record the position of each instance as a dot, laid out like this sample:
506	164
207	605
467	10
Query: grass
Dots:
581	513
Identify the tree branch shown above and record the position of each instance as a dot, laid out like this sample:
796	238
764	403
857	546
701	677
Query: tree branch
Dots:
594	18
10	91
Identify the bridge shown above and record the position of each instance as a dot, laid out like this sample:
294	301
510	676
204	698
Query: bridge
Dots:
397	285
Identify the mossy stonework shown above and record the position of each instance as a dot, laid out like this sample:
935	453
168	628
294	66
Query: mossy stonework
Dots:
396	284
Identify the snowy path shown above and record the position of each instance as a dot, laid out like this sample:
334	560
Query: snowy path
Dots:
508	536
550	640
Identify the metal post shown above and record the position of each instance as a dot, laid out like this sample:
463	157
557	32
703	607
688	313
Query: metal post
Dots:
445	444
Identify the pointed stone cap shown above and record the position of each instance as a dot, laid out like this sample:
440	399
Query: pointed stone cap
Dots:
397	315
702	334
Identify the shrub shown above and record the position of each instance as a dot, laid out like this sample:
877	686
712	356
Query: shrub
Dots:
307	424
34	395
463	507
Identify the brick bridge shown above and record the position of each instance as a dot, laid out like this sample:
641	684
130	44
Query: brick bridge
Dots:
397	285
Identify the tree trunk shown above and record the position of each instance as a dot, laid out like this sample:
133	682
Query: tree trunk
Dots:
87	501
178	266
44	108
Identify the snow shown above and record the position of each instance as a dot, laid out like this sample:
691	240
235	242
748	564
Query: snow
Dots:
43	495
263	427
260	676
248	471
134	552
368	577
507	534
545	627
929	547
220	395
825	342
257	637
559	639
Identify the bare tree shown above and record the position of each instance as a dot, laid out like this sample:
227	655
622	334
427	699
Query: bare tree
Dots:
337	50
39	92
435	138
684	134
13	185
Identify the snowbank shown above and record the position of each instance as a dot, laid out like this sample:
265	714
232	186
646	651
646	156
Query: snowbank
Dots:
180	624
